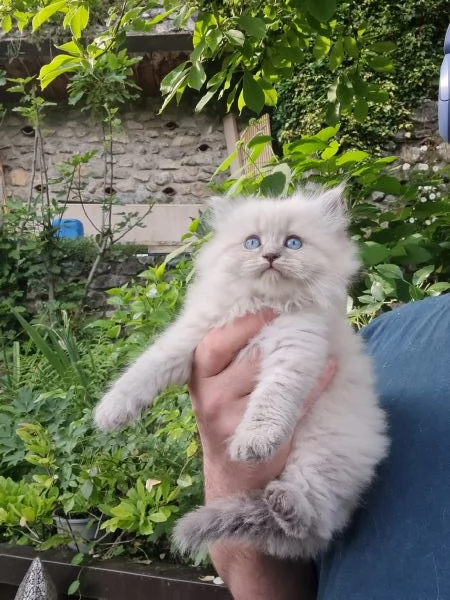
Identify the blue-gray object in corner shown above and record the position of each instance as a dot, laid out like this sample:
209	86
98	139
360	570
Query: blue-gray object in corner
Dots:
444	91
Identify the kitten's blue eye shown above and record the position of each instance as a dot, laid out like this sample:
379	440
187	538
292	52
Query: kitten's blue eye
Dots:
293	242
252	243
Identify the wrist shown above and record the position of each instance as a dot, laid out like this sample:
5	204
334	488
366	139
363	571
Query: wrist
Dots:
249	574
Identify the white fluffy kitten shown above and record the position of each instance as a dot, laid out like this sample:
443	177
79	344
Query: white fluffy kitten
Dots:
293	255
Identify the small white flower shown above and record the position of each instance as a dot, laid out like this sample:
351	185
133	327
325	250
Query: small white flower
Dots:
423	167
423	199
412	220
438	194
406	166
435	168
408	134
423	148
428	222
432	196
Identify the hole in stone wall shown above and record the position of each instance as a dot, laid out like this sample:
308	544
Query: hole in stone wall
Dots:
169	191
203	147
28	131
110	190
40	187
171	125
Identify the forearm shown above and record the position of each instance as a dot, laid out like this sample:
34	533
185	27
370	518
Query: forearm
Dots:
250	575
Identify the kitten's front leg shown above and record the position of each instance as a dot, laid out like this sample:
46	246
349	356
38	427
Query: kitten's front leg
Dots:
167	362
295	351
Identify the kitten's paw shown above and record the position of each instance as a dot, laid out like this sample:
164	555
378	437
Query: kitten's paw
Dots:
254	444
112	411
290	508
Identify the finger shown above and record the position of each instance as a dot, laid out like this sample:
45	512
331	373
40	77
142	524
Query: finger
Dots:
240	377
215	396
220	346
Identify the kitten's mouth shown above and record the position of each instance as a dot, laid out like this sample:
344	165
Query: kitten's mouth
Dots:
272	269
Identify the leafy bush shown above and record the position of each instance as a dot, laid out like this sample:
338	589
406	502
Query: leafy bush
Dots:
413	33
133	484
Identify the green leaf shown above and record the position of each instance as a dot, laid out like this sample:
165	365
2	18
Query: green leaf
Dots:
184	481
252	93
172	79
322	10
422	275
79	21
337	55
86	489
77	559
71	48
438	288
226	164
258	140
361	110
383	64
377	291
344	93
390	271
62	63
388	185
273	184
253	26
73	587
351	47
158	517
270	93
7	23
351	156
213	39
331	150
373	253
235	37
47	12
382	47
204	100
327	133
322	46
197	76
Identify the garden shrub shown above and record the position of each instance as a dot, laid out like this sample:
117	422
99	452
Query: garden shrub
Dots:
417	30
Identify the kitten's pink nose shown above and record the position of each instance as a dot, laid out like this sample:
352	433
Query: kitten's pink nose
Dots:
271	256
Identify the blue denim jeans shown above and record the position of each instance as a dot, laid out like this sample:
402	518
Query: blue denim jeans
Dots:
398	544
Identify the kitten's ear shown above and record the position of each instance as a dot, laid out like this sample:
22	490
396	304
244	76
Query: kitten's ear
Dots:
333	205
218	208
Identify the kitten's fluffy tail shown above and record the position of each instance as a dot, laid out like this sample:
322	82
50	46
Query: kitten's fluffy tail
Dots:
241	517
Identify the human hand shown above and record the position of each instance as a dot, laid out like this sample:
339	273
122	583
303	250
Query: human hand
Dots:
220	388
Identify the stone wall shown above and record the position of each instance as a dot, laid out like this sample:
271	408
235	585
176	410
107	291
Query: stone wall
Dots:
419	145
166	158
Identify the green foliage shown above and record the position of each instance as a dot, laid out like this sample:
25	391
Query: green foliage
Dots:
413	34
143	309
258	46
132	484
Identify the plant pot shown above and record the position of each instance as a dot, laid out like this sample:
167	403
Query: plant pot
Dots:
82	530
